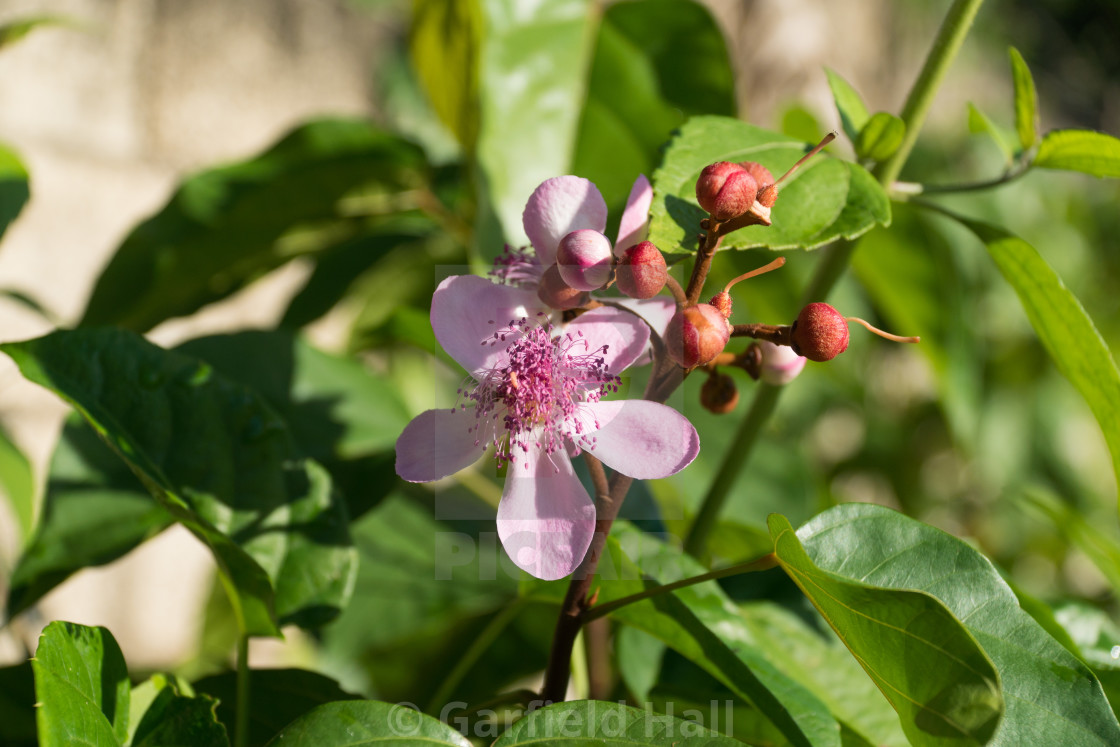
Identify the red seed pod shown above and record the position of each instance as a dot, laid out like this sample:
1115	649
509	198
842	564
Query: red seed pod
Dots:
761	174
722	301
557	294
768	195
820	333
726	190
719	394
641	273
696	335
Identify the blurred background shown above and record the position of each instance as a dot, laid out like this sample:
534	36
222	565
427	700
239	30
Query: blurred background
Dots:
982	437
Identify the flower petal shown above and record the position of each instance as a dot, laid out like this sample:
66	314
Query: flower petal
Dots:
624	334
642	439
635	219
546	518
438	443
468	310
656	312
559	206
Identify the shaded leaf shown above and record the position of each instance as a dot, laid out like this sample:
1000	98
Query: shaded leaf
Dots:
1051	697
924	661
1080	150
173	717
824	200
279	696
14	189
1026	100
1063	327
219	460
849	104
225	227
18	484
444	49
17	706
82	685
583	721
366	722
880	137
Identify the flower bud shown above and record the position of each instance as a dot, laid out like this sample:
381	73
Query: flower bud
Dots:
778	364
726	190
761	174
557	294
584	258
696	335
719	394
642	271
820	333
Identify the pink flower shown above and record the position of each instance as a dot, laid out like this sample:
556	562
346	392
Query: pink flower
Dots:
538	401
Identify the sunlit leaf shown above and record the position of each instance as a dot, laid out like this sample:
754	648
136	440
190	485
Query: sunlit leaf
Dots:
81	683
18	484
1026	101
363	723
1080	150
825	200
14	189
1051	697
444	49
13	31
880	137
849	104
979	123
585	722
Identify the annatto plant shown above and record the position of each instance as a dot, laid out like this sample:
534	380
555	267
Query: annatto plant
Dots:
524	504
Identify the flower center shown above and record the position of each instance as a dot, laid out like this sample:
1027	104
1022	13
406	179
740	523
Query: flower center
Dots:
538	395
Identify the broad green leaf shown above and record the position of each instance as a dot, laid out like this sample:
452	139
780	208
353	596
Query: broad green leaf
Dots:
924	661
17	706
979	123
1063	326
95	511
880	137
1080	150
1051	697
849	104
173	715
1026	100
532	80
1097	637
225	227
655	64
81	683
366	722
444	49
219	460
18	484
800	123
14	189
704	626
639	658
13	31
278	697
826	199
584	722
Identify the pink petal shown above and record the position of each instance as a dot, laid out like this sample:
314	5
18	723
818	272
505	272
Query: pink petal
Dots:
642	439
559	206
468	310
635	219
546	519
656	312
624	334
437	443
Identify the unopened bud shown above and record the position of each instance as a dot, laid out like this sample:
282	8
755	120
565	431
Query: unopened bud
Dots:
820	333
719	394
584	258
696	335
726	190
557	294
641	272
778	364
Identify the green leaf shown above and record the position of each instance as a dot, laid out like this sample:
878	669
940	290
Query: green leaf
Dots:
656	63
1050	695
880	137
18	484
219	460
1080	150
849	104
1097	636
14	189
1026	100
444	48
366	722
979	123
278	697
95	510
81	683
17	706
172	715
1063	326
13	31
225	227
1103	550
532	80
826	199
585	722
924	661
